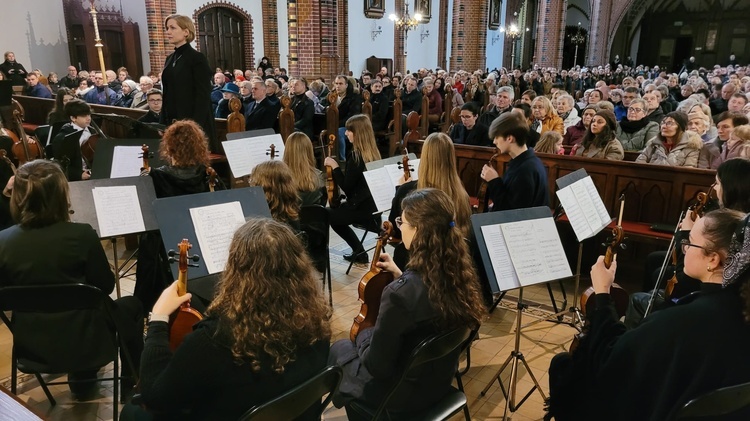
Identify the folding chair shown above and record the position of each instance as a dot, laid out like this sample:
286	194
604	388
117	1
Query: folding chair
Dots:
315	223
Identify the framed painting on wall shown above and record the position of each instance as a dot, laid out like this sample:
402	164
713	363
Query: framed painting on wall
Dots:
424	7
493	22
374	9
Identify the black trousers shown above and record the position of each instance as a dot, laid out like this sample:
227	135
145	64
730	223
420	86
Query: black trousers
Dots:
345	215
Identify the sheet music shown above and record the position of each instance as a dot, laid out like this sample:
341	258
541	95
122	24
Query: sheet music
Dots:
381	188
244	154
536	251
214	227
396	171
126	162
118	210
584	207
505	273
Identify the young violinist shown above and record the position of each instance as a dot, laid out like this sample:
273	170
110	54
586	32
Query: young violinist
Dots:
359	205
650	372
300	158
69	156
266	331
733	192
437	292
73	253
437	169
279	188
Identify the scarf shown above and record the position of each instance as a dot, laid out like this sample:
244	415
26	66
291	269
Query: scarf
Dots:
631	127
738	259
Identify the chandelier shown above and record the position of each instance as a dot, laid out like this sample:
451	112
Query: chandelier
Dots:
405	21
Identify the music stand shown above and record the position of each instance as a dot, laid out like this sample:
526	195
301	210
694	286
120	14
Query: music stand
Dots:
84	211
510	242
250	133
105	149
175	223
139	129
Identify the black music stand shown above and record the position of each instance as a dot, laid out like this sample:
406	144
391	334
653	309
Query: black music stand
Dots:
67	152
175	223
139	129
105	149
6	93
84	211
506	283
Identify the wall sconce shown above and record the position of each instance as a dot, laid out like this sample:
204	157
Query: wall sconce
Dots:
375	32
424	34
495	38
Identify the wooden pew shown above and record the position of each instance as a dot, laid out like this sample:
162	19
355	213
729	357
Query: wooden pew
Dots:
286	118
366	105
653	193
395	127
445	120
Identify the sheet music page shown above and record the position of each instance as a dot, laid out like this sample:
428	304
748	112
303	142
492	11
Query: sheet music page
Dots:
244	154
586	203
604	217
381	188
126	162
505	273
536	251
394	173
214	227
578	221
118	210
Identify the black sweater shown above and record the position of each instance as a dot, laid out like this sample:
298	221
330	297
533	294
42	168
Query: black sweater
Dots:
524	184
354	184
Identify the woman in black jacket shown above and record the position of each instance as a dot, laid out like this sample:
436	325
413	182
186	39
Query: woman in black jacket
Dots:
186	80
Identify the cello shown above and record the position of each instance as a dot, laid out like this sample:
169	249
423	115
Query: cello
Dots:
4	157
482	191
212	177
182	321
334	200
24	149
371	287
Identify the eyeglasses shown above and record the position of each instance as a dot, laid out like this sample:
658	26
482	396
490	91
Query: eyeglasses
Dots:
635	110
686	244
400	222
668	123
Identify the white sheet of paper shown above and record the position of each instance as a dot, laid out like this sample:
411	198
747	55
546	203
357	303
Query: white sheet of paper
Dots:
505	273
396	171
536	251
118	210
214	227
584	207
126	162
381	188
244	154
575	215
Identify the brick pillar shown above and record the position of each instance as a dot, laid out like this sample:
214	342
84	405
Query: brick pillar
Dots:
159	48
550	33
399	41
271	31
599	33
343	36
469	34
328	40
442	33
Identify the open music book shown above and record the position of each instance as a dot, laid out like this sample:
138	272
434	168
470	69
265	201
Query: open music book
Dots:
118	210
244	154
383	182
582	204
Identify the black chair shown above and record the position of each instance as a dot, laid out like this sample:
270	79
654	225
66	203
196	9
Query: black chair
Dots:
433	348
42	134
727	403
373	225
297	401
315	223
72	350
466	346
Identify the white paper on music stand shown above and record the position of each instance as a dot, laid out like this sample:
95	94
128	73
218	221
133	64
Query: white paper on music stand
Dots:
536	251
396	171
381	188
244	154
118	210
505	273
126	162
584	208
214	227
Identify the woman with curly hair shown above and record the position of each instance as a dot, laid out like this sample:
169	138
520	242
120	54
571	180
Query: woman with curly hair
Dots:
265	332
300	158
437	292
279	188
698	347
359	205
600	141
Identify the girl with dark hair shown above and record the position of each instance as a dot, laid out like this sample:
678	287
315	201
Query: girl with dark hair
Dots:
437	292
73	253
673	145
265	332
359	205
650	372
57	115
600	141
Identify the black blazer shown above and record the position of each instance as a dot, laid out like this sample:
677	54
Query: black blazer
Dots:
304	110
350	106
379	111
264	115
186	80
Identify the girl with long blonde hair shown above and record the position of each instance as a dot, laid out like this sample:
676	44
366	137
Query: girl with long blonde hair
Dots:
300	158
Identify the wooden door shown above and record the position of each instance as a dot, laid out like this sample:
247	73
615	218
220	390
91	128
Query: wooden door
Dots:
220	38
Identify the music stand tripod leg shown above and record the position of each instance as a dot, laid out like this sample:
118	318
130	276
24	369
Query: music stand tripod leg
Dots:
116	265
515	356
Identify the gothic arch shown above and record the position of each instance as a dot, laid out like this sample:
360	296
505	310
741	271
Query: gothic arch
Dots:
247	28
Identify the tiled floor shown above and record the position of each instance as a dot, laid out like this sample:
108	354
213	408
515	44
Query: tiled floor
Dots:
538	343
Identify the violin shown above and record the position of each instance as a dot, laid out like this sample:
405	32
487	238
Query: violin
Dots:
145	155
482	191
212	177
271	151
24	149
334	200
88	147
4	157
405	163
182	321
371	287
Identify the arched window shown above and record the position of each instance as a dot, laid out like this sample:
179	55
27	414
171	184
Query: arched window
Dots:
220	38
